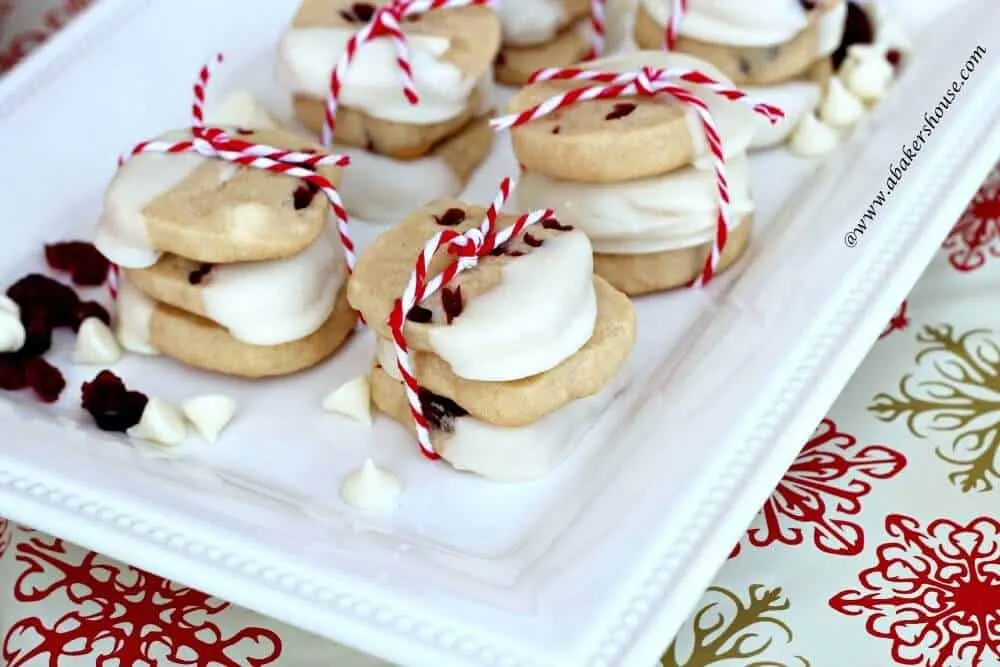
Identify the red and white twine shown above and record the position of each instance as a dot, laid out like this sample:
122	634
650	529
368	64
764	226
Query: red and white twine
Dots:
386	22
468	247
216	143
598	27
673	28
650	82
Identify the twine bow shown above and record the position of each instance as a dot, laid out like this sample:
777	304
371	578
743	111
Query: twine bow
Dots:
385	22
468	248
652	82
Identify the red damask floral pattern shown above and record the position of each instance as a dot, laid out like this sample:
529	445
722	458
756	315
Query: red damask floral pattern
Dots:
933	592
899	322
821	494
119	615
976	237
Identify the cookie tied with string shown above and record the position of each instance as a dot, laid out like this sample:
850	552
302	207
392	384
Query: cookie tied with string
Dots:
523	333
451	48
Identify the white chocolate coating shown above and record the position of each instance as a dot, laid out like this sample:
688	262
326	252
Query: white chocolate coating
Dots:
668	212
531	22
542	312
307	56
134	317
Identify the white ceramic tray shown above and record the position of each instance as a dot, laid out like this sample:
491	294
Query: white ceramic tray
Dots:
596	565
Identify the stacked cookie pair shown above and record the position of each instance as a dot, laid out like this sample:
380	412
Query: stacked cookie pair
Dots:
225	267
404	148
636	173
514	357
541	33
781	50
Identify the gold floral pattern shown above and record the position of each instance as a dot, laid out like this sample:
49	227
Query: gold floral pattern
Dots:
955	391
732	630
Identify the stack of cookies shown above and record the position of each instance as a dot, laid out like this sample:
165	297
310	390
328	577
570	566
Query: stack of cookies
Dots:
515	357
779	50
226	268
635	173
541	33
401	153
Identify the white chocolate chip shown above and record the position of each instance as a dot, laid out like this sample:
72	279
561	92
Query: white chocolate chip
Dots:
12	333
161	423
371	488
869	74
352	400
96	344
209	414
8	305
840	108
240	109
813	137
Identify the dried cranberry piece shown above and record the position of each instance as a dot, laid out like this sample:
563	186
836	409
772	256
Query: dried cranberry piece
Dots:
556	129
451	217
808	5
620	110
552	223
359	12
500	60
894	56
533	241
420	315
304	195
37	329
513	253
244	131
88	309
111	404
44	378
43	292
198	275
858	29
82	260
12	372
451	301
440	411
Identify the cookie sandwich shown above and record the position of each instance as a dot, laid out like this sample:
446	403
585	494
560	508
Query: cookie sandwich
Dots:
497	345
401	87
781	50
230	258
541	33
645	152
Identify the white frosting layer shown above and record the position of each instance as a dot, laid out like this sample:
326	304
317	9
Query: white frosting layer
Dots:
277	301
675	210
796	98
133	318
735	122
542	312
379	189
372	84
122	235
519	454
751	23
530	22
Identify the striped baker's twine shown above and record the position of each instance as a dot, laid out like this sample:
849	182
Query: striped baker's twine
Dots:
650	82
468	247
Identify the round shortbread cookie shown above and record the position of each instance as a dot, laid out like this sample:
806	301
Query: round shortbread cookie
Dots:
753	66
659	271
614	140
385	267
474	35
202	344
211	210
525	401
380	189
515	64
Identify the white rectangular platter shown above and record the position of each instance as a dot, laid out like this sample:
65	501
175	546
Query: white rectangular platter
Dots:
599	563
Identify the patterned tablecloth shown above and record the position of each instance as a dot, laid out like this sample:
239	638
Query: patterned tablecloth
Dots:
881	545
